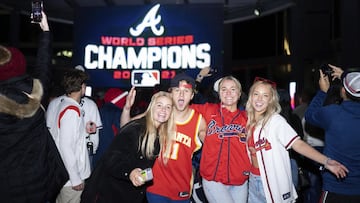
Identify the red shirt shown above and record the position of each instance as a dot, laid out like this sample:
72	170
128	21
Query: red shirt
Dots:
224	155
175	179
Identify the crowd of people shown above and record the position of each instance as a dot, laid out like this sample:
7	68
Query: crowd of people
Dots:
75	151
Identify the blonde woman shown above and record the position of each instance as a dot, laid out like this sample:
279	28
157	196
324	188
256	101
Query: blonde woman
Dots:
269	137
224	164
117	176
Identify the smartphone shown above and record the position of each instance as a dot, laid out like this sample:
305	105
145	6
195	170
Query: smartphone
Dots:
36	9
147	174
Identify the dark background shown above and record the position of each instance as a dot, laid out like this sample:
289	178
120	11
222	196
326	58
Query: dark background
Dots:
322	31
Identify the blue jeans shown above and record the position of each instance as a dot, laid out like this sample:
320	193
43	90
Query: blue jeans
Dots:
294	171
313	193
217	192
154	198
256	190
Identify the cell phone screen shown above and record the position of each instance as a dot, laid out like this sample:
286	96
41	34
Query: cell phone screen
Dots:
36	8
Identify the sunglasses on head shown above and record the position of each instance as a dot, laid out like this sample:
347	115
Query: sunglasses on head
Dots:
272	83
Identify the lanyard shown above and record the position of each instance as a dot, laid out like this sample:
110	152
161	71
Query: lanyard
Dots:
222	117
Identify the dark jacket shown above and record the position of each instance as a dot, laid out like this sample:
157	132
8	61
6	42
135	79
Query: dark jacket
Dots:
31	169
110	117
110	181
341	124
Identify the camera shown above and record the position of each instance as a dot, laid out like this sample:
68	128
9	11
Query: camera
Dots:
326	69
36	9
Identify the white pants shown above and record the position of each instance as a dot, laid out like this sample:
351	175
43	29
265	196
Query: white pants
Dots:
68	195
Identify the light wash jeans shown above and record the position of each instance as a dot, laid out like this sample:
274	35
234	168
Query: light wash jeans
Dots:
217	192
294	171
256	190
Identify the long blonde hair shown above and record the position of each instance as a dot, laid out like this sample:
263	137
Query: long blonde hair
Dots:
273	107
166	131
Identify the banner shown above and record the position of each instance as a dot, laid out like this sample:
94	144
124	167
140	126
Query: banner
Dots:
147	45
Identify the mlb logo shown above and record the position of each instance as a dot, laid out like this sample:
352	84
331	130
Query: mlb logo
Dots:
145	78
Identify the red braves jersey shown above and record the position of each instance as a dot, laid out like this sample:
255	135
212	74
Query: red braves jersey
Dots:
224	155
175	179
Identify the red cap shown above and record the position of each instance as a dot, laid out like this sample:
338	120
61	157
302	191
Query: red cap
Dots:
12	63
115	96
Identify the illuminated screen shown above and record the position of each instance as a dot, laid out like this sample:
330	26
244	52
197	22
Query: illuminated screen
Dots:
147	45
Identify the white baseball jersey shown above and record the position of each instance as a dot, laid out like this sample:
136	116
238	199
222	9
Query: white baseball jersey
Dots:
70	138
271	144
90	111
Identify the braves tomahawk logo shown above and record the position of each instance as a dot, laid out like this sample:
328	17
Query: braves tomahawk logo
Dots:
262	143
151	20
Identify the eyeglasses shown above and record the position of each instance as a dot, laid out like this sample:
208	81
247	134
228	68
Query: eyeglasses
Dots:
272	83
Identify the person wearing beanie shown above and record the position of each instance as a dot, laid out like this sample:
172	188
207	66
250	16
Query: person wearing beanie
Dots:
342	140
12	63
110	113
31	169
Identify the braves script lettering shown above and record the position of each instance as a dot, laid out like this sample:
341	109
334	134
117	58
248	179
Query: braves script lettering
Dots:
229	130
150	20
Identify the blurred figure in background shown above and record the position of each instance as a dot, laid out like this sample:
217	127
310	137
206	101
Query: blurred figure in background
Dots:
31	169
91	117
342	139
69	133
295	123
110	112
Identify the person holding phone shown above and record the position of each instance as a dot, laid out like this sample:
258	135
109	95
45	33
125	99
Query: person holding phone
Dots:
36	11
31	169
340	123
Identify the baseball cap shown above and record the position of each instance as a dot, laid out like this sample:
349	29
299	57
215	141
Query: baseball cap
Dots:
216	84
180	77
351	83
115	96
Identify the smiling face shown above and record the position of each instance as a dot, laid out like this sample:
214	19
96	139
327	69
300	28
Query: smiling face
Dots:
182	95
261	97
161	110
229	94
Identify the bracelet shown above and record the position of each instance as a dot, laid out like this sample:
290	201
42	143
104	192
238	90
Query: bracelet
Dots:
327	162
